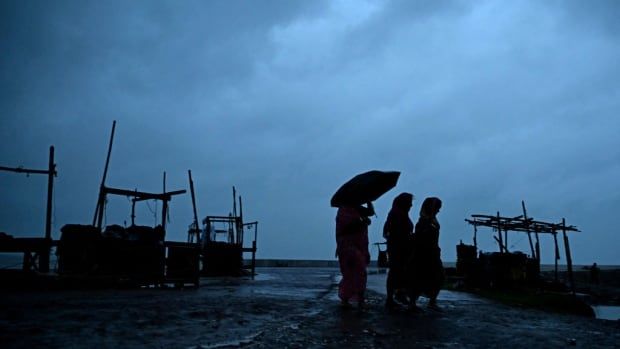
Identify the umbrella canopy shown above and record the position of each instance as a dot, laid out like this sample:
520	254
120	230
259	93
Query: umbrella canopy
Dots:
364	187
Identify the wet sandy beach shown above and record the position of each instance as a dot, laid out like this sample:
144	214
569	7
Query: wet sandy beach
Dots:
281	307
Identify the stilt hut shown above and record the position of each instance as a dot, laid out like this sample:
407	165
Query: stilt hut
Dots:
507	268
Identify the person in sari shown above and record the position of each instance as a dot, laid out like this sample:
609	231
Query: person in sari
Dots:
398	230
352	252
426	268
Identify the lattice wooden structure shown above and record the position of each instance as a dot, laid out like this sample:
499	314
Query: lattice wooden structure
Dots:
36	250
525	224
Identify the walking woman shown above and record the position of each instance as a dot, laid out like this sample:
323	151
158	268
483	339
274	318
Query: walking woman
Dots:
398	230
427	268
352	252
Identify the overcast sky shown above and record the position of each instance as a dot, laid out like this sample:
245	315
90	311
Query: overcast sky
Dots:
482	104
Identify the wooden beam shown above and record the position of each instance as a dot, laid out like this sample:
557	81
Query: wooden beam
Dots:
140	195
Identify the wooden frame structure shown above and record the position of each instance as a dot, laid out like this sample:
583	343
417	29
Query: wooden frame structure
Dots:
223	257
34	248
181	257
134	194
525	224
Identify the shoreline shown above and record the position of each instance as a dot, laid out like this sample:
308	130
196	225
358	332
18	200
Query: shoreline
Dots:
14	260
325	263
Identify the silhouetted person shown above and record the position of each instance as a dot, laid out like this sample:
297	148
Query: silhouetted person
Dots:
398	230
594	274
352	251
426	269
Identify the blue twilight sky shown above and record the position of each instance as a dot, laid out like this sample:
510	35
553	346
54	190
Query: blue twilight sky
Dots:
482	103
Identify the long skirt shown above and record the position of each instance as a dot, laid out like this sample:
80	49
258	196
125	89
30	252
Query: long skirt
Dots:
427	278
353	269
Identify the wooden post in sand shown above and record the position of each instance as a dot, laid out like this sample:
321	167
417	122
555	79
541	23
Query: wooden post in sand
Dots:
190	237
556	255
527	225
475	235
537	246
98	218
44	258
499	234
569	259
164	208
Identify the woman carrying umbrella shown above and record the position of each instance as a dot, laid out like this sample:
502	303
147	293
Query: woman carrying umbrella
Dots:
427	268
352	251
352	229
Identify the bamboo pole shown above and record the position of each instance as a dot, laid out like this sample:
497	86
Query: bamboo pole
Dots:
475	235
537	245
98	217
557	255
164	208
233	229
569	259
240	223
527	226
499	234
133	209
44	259
191	189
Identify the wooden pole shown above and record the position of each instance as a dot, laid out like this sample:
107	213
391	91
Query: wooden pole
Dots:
537	246
254	248
98	218
475	235
231	235
499	234
164	208
527	224
569	259
190	237
253	258
133	210
557	255
240	223
234	201
44	259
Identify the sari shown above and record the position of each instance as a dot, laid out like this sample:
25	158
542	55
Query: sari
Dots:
352	252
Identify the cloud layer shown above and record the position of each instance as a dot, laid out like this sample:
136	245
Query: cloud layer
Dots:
483	104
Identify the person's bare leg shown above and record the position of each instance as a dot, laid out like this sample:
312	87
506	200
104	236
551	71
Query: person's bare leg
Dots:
413	298
432	302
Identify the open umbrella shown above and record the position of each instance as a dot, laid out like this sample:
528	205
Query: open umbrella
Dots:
364	187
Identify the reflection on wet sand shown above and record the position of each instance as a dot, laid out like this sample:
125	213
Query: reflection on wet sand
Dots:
607	312
281	307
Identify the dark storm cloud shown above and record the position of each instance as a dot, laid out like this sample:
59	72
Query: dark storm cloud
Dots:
483	104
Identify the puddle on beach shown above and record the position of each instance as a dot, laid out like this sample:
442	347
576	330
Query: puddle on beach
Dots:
376	282
607	312
264	277
247	340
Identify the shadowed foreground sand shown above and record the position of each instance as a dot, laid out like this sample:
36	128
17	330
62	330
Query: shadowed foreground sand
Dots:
283	307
